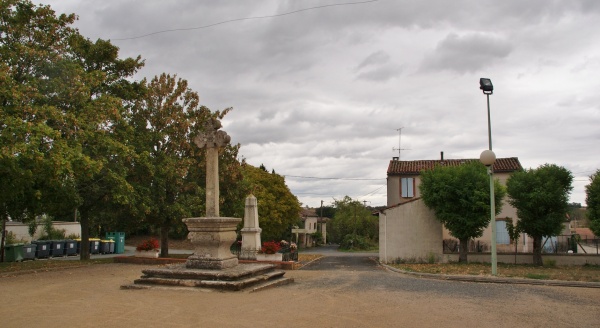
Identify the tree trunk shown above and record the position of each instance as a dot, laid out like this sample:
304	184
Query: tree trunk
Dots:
164	240
537	251
463	251
84	245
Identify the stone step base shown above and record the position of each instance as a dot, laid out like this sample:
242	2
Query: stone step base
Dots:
250	277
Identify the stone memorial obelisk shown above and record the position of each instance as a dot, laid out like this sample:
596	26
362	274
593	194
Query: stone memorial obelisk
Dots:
251	231
212	235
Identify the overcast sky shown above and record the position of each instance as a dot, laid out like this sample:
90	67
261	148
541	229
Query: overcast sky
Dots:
322	92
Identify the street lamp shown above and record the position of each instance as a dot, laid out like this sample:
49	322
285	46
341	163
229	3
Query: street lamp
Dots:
488	158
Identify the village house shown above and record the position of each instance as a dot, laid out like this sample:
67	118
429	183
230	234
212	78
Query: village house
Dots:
409	230
313	223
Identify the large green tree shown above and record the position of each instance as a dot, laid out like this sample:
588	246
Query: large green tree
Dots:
592	200
352	225
460	198
165	120
278	208
61	116
541	197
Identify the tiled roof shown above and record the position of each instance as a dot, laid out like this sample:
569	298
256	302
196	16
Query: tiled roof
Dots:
311	212
396	167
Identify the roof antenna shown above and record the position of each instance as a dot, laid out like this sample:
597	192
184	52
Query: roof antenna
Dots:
399	149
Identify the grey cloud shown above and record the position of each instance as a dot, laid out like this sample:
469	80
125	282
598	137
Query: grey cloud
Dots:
377	67
467	53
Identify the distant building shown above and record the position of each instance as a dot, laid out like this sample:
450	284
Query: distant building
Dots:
312	223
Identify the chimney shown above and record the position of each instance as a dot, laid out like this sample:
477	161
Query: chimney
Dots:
442	155
395	158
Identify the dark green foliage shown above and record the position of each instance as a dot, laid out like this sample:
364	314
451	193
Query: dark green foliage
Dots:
278	208
351	217
460	198
541	198
592	200
357	242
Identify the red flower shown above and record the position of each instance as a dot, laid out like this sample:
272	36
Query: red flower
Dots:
148	245
270	247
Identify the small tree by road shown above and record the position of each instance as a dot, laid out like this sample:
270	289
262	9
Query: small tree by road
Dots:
541	198
460	198
592	200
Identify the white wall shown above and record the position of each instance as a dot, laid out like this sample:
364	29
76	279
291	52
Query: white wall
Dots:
21	231
409	231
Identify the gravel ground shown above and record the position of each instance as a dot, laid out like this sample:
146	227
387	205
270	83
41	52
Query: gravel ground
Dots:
348	291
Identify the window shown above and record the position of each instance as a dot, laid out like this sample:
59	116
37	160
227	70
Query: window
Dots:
408	187
502	237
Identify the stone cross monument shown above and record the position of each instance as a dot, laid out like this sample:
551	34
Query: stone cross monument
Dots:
212	235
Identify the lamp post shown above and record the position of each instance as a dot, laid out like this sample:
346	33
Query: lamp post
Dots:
488	158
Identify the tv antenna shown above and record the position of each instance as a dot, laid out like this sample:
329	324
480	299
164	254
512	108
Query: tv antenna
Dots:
399	149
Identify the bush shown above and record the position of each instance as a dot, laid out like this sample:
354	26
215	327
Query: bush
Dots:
357	242
12	239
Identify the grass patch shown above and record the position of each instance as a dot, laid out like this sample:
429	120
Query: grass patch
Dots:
537	276
590	273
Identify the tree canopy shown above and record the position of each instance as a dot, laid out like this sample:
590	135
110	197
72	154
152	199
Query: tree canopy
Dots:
541	197
80	139
460	198
61	116
352	225
592	200
278	208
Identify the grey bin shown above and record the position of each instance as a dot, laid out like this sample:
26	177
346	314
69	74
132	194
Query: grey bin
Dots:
42	249
57	248
94	246
71	248
104	247
29	251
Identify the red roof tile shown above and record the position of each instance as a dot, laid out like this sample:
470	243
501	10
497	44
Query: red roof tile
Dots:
396	167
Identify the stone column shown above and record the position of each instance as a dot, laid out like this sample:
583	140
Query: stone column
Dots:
212	182
212	235
212	140
251	231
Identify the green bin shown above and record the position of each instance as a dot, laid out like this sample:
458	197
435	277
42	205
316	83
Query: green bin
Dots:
119	238
13	253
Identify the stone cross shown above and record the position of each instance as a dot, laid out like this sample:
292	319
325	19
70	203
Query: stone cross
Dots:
212	140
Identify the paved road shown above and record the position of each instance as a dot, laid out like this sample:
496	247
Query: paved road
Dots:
341	290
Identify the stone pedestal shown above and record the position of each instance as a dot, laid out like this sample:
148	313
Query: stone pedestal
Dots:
251	231
212	238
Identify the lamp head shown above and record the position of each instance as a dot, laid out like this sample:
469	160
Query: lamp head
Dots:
487	157
486	86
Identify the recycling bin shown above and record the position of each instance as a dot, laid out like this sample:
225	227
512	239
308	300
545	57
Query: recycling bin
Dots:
13	253
104	246
94	245
119	238
71	247
42	249
29	251
111	246
57	248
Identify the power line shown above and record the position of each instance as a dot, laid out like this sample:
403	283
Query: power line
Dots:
242	19
321	178
374	191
